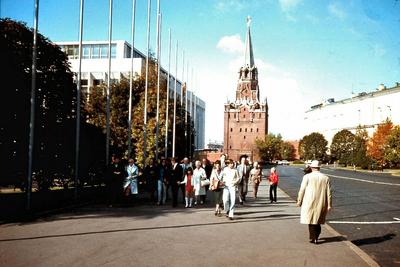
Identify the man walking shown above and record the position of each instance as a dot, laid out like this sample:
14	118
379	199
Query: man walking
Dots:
244	171
315	200
176	176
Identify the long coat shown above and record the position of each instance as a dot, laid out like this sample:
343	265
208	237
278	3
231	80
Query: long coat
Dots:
314	198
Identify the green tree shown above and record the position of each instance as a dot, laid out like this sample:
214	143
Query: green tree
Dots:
343	147
95	111
360	156
313	146
54	138
270	148
287	151
392	147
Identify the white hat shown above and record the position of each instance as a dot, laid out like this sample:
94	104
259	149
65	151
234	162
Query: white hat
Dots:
315	164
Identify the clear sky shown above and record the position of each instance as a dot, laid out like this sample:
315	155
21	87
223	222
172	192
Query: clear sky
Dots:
305	51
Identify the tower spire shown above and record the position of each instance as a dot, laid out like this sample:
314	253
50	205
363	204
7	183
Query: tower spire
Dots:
248	54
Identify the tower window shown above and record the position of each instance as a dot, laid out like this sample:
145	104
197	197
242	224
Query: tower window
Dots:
259	116
257	130
245	130
244	137
244	116
231	129
230	147
251	130
234	115
240	129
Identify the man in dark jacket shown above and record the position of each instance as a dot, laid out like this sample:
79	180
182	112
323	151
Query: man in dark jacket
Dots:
115	177
175	177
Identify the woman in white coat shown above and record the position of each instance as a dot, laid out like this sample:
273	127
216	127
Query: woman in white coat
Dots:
315	200
199	175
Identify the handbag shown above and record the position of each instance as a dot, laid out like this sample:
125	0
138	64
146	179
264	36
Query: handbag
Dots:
127	190
204	182
215	184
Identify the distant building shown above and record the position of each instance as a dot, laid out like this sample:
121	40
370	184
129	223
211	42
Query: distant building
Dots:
95	70
246	118
367	110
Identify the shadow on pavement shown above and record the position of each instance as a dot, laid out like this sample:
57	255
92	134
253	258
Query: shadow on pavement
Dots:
373	240
237	220
332	239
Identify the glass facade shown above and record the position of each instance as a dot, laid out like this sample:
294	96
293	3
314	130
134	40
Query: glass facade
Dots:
89	51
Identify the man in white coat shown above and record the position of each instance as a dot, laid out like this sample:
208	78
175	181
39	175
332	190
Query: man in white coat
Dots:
315	200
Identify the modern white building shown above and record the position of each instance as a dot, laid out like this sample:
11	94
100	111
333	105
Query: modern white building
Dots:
367	110
94	71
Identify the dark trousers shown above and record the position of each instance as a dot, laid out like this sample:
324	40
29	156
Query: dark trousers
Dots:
242	188
272	192
183	190
174	190
315	231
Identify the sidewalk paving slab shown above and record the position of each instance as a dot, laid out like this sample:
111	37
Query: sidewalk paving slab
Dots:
262	234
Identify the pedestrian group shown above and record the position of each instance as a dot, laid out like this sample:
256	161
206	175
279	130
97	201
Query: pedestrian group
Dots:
227	180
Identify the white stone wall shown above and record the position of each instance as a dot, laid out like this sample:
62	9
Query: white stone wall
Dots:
367	111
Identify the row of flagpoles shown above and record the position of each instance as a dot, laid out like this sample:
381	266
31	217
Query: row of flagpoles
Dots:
192	109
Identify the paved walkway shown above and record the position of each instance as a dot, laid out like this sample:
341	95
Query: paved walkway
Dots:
262	234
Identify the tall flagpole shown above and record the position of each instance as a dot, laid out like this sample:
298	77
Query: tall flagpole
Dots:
33	102
131	80
168	82
158	43
146	85
186	105
78	102
174	123
108	85
191	116
183	72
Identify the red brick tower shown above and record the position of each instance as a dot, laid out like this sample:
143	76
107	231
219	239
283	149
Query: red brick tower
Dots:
246	118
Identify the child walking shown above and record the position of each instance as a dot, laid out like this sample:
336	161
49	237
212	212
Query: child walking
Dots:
188	181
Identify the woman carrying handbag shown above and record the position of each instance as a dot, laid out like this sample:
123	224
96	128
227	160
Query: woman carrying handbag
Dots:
216	185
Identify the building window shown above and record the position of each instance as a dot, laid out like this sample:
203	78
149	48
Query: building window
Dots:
231	129
244	116
97	82
245	130
234	115
113	51
244	137
229	115
230	147
259	116
251	130
86	51
95	51
240	129
257	130
103	51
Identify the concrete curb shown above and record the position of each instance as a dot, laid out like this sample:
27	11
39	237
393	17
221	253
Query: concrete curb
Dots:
364	256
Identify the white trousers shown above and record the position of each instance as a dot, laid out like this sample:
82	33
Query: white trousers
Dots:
229	197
